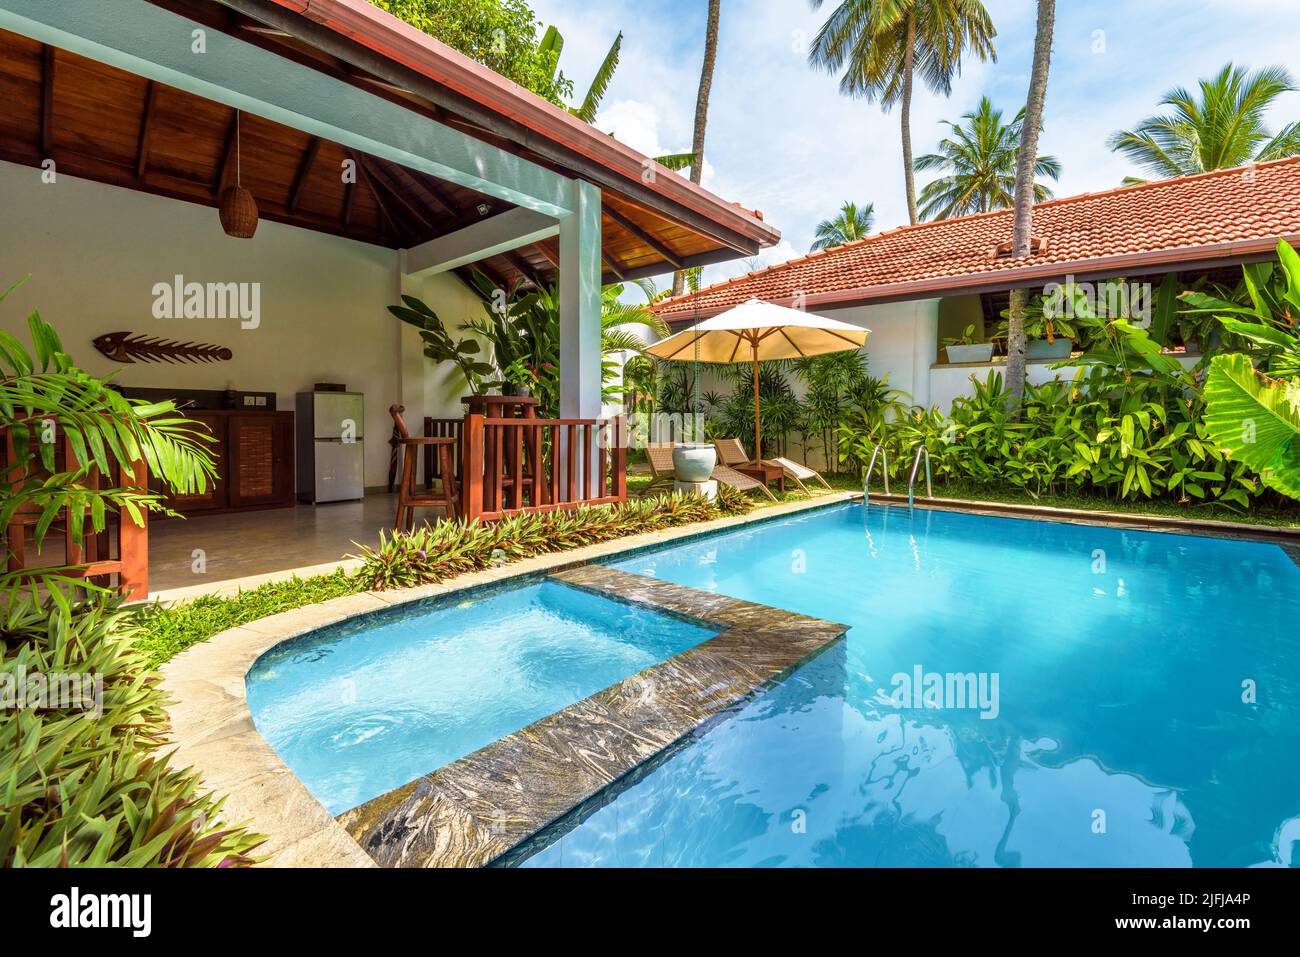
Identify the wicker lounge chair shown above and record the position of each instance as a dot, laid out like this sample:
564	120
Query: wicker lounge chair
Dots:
732	453
660	458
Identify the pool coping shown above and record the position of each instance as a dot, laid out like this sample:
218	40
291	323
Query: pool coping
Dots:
212	729
1285	536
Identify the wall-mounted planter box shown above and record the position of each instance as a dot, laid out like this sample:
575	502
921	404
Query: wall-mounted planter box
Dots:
976	352
1042	349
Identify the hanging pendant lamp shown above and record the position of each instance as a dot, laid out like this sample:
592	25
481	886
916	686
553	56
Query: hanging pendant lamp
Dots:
237	208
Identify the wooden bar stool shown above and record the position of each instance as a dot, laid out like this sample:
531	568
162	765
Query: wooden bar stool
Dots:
408	497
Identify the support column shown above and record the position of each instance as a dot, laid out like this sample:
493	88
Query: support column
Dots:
580	305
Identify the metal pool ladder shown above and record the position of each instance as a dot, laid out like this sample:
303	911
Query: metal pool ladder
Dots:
878	451
911	484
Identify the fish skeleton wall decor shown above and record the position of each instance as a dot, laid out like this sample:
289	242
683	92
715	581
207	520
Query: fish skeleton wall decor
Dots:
128	347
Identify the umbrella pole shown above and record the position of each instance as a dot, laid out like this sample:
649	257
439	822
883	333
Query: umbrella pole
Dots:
758	422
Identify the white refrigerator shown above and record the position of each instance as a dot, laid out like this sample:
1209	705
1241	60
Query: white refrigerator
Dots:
331	446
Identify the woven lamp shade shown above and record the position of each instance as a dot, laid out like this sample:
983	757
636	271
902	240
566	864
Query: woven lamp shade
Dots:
238	211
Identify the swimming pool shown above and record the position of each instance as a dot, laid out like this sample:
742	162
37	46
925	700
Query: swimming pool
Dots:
1133	699
359	709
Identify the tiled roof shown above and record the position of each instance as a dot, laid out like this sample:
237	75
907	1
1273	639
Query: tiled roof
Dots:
1201	220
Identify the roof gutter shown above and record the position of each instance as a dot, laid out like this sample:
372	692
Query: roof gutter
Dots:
1107	267
401	43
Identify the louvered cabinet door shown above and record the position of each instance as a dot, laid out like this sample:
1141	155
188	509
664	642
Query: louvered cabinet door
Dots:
260	450
216	495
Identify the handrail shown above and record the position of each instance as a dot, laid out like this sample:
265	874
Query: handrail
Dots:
526	464
911	484
884	471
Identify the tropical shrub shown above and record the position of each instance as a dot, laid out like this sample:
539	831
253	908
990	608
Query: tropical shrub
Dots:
84	782
92	786
43	395
1253	415
1127	435
435	552
732	501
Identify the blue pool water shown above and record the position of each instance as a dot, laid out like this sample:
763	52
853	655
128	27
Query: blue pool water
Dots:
1120	735
358	710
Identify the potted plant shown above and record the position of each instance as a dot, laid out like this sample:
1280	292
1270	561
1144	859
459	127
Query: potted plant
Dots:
964	348
1049	335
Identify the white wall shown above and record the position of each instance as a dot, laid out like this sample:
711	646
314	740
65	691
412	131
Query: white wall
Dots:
95	252
902	344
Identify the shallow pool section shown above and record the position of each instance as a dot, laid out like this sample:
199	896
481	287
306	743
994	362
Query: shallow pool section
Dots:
1146	710
358	710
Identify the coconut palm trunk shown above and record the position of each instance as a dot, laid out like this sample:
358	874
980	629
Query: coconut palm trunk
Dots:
909	71
1024	206
702	112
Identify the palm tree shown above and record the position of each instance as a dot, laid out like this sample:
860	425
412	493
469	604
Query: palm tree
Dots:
1221	129
853	222
881	44
979	162
551	46
701	111
1026	159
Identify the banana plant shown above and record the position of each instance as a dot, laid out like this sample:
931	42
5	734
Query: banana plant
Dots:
438	343
1253	415
553	44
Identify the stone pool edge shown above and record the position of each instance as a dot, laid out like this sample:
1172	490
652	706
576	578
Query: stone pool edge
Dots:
212	729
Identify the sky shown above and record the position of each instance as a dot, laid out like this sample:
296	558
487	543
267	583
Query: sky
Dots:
782	139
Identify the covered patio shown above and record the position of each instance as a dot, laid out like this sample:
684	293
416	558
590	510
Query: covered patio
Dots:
382	163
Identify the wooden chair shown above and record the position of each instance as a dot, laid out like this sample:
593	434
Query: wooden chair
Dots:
660	458
732	453
409	498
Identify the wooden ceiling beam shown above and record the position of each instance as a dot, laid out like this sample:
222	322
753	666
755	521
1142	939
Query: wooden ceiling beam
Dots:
146	130
428	192
547	255
524	267
363	175
609	261
304	170
667	254
378	175
349	194
181	189
47	100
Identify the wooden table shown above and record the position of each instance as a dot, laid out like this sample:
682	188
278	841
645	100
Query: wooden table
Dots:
765	472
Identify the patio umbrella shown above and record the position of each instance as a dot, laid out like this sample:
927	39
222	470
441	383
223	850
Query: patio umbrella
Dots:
759	331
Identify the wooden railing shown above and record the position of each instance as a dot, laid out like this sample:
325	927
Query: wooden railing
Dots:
512	465
120	551
443	429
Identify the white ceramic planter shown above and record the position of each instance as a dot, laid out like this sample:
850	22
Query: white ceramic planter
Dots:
694	463
975	352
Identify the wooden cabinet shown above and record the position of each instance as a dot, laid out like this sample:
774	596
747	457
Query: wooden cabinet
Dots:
254	459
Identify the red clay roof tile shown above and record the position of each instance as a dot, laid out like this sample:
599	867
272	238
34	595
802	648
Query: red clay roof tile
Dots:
1212	216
